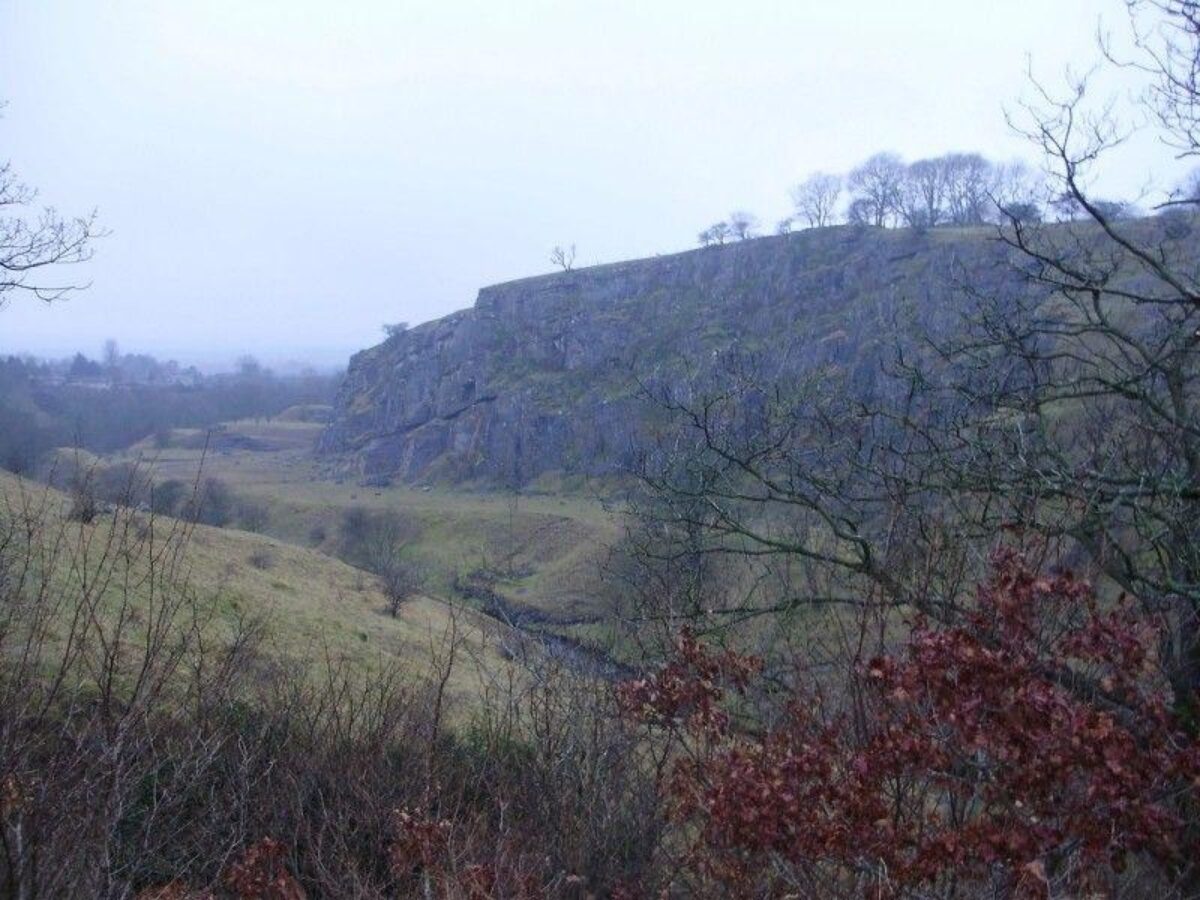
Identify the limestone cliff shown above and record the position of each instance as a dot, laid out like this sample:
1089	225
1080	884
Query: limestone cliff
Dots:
543	374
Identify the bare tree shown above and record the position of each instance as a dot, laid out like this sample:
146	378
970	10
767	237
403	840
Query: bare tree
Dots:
1063	408
1019	191
34	245
717	233
962	189
1120	353
1164	34
743	224
876	187
861	212
401	579
816	199
563	257
923	193
971	185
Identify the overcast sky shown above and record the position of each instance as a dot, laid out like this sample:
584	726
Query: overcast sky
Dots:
283	177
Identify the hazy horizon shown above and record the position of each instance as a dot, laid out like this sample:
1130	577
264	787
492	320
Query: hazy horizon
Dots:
281	179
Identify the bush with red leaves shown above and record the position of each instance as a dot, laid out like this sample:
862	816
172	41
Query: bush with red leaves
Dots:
1030	748
421	850
421	843
262	874
687	691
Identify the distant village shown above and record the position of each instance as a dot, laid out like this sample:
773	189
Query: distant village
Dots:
113	372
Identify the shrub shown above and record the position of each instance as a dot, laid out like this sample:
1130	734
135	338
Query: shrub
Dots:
400	580
372	539
124	484
160	763
1029	750
261	559
212	504
167	498
262	874
85	506
252	515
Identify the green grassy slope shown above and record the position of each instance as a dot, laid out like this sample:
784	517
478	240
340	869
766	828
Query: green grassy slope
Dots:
311	603
551	544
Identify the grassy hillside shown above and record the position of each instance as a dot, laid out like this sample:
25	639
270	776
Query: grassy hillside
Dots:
311	604
546	549
153	743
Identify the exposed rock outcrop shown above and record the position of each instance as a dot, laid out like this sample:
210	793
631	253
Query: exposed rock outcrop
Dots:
543	374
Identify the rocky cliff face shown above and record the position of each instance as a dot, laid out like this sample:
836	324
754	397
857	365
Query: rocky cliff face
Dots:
544	374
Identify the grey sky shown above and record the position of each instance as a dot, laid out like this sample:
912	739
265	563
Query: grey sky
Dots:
283	177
